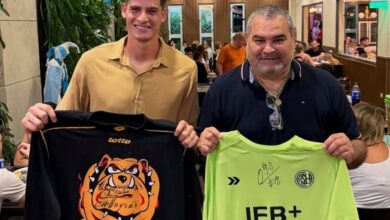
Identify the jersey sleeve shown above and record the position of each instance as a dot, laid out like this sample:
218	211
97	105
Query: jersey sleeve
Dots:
341	209
209	200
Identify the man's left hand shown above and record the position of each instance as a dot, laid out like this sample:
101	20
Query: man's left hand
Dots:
186	134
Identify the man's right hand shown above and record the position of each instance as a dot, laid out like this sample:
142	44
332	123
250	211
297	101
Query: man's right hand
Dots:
208	140
38	116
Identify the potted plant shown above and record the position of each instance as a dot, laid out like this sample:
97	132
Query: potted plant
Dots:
83	22
9	145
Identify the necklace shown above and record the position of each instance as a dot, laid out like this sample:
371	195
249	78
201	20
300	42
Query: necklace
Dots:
275	95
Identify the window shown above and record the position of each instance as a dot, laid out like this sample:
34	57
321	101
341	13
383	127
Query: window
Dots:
237	18
206	24
358	29
175	25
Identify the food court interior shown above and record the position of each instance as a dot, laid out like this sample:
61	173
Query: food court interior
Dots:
352	33
338	24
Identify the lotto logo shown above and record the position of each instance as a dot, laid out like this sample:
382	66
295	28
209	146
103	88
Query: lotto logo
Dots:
274	213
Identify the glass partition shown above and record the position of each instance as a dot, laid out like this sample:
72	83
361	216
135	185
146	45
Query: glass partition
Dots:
358	29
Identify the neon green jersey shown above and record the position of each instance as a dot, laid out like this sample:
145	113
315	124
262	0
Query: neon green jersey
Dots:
293	180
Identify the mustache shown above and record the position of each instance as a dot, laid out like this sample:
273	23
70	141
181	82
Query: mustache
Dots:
262	56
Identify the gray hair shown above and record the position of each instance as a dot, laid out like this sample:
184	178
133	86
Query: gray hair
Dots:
162	3
270	11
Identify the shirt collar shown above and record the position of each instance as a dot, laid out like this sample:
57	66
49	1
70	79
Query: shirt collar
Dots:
161	59
247	75
117	51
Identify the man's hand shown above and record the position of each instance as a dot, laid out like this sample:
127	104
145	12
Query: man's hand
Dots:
208	141
24	149
37	117
186	134
339	145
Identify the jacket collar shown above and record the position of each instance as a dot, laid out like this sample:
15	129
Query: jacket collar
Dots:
246	73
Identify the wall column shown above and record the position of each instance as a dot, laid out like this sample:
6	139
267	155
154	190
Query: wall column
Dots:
20	85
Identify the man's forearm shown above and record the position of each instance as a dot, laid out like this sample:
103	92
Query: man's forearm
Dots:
360	154
219	69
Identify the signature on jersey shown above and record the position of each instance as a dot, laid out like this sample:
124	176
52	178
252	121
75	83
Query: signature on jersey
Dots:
267	174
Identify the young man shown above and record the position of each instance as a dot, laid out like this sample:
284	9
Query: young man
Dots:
315	51
137	74
270	98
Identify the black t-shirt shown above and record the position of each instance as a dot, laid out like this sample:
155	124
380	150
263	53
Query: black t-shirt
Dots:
313	53
102	165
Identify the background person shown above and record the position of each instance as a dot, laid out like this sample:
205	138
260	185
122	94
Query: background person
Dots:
270	97
365	50
315	51
202	72
22	153
189	52
204	57
137	74
301	55
371	180
232	55
351	46
11	187
172	43
184	46
209	52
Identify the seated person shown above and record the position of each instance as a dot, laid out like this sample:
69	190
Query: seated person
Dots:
315	51
351	48
301	55
365	50
11	187
330	59
371	180
22	152
360	48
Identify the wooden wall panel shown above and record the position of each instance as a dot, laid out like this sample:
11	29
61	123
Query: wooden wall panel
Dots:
222	21
175	2
190	21
221	16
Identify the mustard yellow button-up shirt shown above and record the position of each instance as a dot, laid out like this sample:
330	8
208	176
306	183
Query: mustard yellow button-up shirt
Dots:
104	81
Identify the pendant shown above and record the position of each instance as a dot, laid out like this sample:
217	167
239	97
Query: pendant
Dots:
278	102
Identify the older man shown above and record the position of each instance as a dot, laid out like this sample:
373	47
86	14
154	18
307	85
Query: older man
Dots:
270	97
